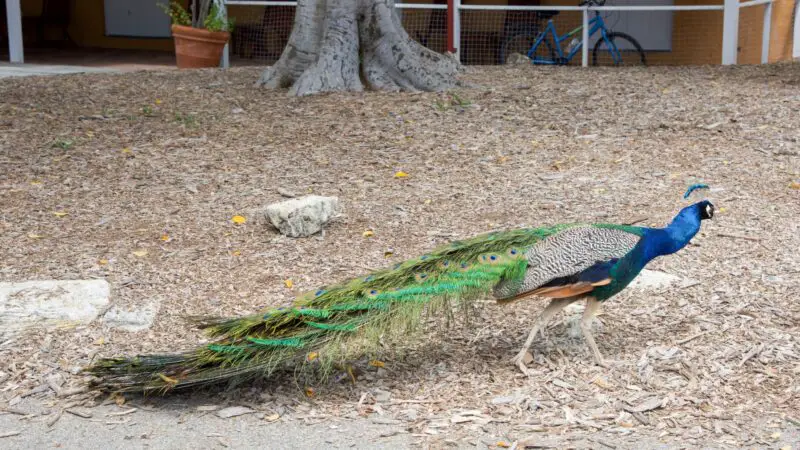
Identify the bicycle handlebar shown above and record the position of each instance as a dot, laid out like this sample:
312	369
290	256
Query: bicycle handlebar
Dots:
592	3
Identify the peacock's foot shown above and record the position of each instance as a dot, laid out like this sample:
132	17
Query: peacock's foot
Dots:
522	360
602	363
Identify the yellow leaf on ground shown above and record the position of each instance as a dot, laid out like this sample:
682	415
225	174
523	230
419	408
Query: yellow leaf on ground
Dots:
600	381
376	363
388	253
237	253
310	392
288	283
34	236
158	101
102	262
140	253
90	133
60	213
119	399
165	238
503	444
400	174
312	356
239	220
368	234
794	185
126	150
35	182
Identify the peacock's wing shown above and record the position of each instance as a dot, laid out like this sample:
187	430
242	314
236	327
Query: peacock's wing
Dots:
571	262
339	321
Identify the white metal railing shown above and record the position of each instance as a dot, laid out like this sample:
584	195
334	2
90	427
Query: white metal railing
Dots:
730	10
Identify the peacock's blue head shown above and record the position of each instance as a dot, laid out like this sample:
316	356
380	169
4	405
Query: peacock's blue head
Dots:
703	209
696	212
706	209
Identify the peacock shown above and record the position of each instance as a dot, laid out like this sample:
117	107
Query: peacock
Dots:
328	326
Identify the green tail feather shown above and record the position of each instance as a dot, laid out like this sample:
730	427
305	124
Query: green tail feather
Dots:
337	322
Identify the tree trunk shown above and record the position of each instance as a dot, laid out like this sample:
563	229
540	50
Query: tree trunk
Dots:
347	45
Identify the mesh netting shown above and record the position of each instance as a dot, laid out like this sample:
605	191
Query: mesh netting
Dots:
751	29
490	37
262	31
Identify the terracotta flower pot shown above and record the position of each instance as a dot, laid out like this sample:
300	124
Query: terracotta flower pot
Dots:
198	47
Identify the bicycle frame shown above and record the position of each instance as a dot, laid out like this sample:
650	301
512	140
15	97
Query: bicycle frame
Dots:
595	24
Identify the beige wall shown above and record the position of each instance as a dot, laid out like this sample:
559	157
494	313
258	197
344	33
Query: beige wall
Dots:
697	36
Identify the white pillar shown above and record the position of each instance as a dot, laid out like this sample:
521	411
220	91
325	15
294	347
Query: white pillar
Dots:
765	36
730	31
14	16
457	28
585	39
225	60
796	42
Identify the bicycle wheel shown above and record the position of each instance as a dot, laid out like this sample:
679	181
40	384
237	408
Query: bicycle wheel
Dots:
630	52
518	43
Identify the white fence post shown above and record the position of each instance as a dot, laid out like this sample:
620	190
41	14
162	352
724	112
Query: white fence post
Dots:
730	31
585	38
457	28
765	36
796	37
16	53
225	59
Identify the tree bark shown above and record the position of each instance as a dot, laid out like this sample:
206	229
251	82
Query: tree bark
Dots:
350	45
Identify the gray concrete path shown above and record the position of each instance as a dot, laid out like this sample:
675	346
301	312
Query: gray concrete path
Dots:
22	70
110	427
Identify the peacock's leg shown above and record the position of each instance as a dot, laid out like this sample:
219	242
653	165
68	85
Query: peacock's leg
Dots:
551	310
592	306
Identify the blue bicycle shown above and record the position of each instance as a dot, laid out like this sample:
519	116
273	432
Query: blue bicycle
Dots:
612	47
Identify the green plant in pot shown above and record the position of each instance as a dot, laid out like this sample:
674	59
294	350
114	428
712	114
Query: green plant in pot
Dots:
200	36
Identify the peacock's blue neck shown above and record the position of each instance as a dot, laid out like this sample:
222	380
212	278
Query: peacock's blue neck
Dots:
655	242
664	241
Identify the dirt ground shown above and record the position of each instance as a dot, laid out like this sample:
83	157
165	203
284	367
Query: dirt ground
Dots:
135	178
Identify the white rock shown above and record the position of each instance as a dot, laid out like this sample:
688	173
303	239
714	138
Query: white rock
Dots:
517	58
653	280
50	303
304	216
234	411
131	320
